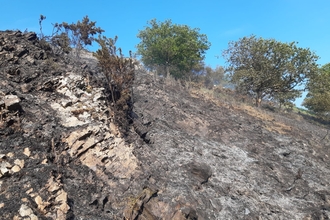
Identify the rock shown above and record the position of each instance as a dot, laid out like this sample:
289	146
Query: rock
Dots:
26	88
201	172
10	154
31	36
26	211
66	103
27	151
19	163
12	103
3	171
2	104
41	204
61	199
30	59
15	168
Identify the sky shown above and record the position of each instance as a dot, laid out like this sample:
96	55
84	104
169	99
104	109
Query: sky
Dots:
304	21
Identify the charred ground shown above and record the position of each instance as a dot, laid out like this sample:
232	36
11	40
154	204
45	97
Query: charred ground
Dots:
189	153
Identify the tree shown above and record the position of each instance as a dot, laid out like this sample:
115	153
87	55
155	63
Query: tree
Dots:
213	76
171	46
318	97
266	68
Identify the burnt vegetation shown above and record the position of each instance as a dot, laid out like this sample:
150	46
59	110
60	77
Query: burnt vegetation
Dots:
119	73
118	70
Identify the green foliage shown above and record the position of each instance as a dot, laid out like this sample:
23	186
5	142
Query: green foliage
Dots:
268	68
286	99
178	49
82	33
119	73
65	35
213	77
318	97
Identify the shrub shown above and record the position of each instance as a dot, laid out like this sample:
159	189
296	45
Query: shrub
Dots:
64	35
119	73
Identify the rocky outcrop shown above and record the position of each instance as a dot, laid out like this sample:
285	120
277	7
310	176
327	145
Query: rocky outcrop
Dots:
58	143
187	155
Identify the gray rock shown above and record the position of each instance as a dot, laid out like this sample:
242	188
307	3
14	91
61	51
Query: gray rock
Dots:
12	103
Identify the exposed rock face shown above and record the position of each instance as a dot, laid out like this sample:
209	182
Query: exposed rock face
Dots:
186	157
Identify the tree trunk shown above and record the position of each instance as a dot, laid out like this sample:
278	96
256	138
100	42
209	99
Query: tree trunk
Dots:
167	71
258	100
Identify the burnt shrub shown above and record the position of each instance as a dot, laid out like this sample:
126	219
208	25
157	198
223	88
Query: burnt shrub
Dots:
119	72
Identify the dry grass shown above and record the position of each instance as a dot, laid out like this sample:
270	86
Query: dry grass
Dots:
230	101
271	124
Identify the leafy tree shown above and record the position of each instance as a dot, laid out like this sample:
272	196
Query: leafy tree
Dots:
213	76
172	47
266	68
318	97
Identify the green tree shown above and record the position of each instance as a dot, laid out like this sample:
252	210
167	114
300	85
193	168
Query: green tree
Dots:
172	47
318	97
213	76
266	68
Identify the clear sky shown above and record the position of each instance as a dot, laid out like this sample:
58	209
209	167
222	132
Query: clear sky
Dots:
303	21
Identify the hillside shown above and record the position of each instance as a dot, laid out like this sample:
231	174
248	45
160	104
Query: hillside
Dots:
187	155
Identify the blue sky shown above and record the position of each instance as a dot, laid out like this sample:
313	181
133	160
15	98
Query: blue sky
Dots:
307	22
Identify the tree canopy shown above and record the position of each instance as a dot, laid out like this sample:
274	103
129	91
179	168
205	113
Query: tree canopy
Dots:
213	77
318	97
171	46
266	68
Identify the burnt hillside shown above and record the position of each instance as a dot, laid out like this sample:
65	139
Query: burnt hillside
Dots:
187	155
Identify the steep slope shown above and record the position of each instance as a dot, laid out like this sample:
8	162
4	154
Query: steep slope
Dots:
226	161
187	156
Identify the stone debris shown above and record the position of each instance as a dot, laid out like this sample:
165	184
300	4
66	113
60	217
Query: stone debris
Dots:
26	211
27	152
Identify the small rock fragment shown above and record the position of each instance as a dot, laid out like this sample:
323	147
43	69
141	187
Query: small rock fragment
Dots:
19	162
31	36
24	200
30	59
12	103
2	104
41	204
4	170
66	103
15	169
27	152
10	154
25	210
